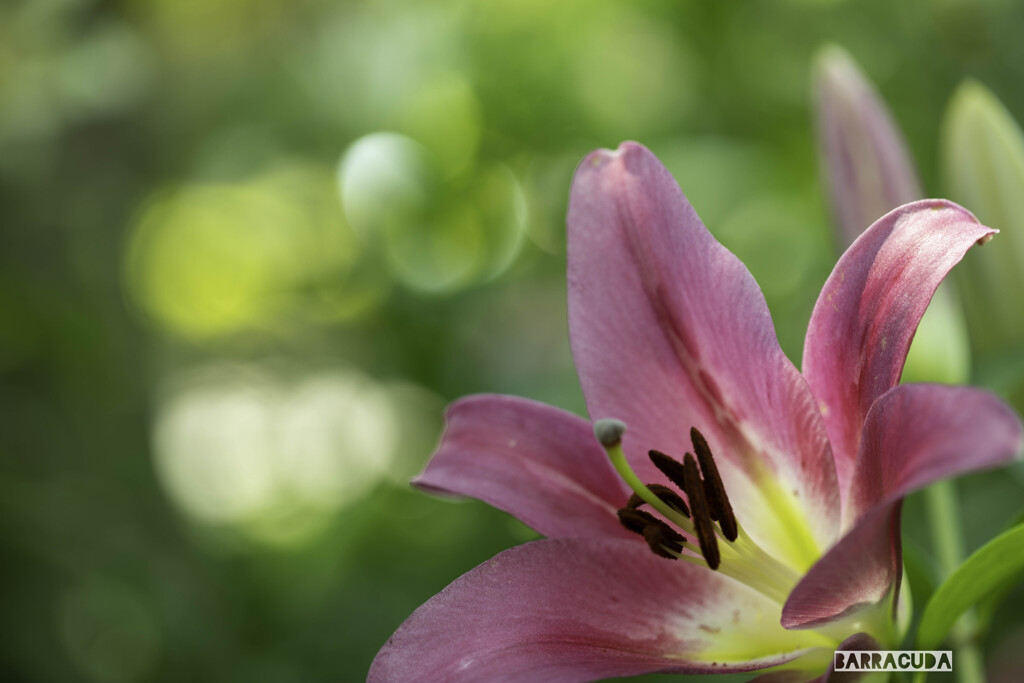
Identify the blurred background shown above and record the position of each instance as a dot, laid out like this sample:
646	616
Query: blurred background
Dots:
249	249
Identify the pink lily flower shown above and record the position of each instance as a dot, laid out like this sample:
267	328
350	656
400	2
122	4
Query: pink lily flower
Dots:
787	545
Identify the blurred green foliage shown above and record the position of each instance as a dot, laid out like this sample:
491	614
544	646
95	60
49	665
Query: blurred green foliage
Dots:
250	248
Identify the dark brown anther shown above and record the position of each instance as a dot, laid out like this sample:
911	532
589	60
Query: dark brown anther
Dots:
718	500
635	501
669	466
663	541
636	520
659	536
701	513
666	495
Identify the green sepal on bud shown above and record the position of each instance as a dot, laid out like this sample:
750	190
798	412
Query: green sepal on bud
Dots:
983	165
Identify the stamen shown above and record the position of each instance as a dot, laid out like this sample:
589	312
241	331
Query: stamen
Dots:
636	520
718	500
741	558
701	513
670	467
666	495
663	541
660	537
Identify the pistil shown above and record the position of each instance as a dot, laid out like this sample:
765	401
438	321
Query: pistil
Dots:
609	432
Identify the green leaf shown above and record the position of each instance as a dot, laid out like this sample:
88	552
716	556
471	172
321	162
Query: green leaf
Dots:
991	603
997	564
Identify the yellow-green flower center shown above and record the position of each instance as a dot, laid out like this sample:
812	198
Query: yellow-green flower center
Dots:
703	532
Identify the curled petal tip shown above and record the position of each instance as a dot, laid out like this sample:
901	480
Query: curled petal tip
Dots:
602	156
609	431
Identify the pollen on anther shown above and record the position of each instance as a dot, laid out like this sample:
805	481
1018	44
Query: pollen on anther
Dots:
660	537
669	466
636	520
663	541
665	495
701	514
718	500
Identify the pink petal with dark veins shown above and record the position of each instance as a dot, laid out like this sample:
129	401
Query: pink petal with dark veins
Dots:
669	330
914	435
538	463
586	609
869	308
917	434
858	573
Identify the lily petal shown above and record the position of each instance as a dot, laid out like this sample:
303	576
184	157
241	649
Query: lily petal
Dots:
858	641
585	609
538	463
669	331
917	434
869	308
914	435
858	573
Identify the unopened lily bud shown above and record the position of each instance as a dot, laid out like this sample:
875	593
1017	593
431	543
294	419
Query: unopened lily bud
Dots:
869	169
983	163
870	172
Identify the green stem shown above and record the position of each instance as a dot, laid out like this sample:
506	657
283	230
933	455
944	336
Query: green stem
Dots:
944	514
